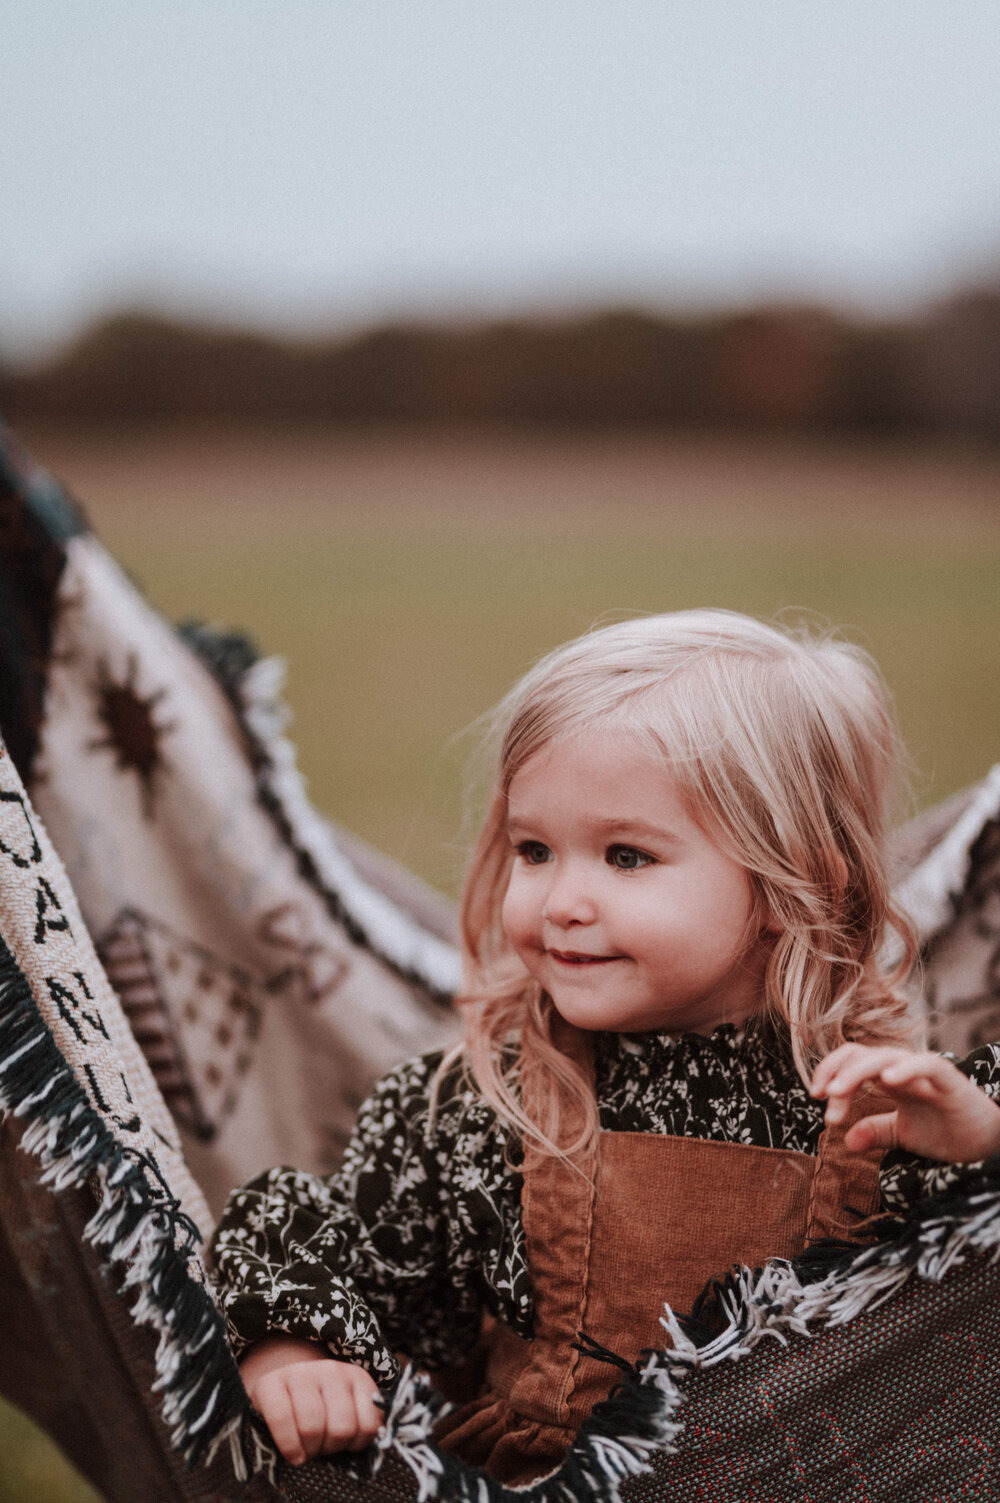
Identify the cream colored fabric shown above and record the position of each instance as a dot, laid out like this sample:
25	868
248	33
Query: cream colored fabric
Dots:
265	1022
952	893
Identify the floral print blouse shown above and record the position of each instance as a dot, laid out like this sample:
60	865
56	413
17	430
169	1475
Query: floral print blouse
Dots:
419	1231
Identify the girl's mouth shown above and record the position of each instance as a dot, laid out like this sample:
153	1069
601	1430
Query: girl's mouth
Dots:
574	957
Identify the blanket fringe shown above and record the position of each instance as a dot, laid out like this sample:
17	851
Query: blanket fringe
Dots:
618	1441
138	1227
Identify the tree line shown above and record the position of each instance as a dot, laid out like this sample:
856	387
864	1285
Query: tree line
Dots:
795	368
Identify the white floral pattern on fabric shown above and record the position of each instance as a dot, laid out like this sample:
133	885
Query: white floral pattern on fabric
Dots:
420	1230
906	1178
422	1226
733	1085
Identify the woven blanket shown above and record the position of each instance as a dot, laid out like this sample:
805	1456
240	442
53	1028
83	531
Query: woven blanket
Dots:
70	1067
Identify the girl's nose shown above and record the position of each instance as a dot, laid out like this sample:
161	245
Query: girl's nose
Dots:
568	900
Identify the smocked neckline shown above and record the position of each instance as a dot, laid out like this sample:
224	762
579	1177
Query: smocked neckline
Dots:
726	1037
756	1042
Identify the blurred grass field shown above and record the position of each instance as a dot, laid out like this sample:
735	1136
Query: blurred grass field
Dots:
408	580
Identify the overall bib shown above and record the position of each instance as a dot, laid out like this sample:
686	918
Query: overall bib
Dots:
651	1218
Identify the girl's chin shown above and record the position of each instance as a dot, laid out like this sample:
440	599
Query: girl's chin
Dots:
592	1016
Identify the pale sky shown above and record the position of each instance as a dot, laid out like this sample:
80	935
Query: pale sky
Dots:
319	165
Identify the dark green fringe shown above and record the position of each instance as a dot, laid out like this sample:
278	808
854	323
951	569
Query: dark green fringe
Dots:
202	1396
616	1441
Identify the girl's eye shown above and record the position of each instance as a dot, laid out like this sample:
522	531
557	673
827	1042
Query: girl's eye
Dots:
626	858
534	852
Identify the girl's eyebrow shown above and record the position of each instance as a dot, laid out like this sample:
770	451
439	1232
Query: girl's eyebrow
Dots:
515	823
629	826
632	826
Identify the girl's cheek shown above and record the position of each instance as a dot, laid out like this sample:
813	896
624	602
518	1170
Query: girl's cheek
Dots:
509	912
520	914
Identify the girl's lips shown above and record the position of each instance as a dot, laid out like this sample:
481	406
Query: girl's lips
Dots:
574	957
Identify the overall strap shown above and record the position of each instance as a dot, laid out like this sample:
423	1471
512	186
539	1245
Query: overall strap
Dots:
845	1188
557	1202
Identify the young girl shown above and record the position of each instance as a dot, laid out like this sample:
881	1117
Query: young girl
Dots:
672	925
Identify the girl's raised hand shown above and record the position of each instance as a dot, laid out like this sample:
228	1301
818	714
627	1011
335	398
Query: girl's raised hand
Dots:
940	1113
312	1403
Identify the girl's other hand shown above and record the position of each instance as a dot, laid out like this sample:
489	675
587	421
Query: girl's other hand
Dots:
312	1404
940	1113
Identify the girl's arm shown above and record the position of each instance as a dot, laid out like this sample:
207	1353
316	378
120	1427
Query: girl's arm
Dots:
940	1113
385	1256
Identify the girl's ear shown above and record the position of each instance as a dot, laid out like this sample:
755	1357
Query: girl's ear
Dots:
767	924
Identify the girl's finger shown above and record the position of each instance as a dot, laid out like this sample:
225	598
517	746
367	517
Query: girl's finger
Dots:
341	1421
867	1064
853	1073
915	1087
368	1416
828	1066
939	1073
881	1131
309	1410
367	1410
275	1405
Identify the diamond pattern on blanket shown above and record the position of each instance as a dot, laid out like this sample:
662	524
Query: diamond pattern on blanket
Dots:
196	1017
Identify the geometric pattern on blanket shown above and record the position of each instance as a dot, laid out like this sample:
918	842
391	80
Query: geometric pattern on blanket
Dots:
200	1048
272	967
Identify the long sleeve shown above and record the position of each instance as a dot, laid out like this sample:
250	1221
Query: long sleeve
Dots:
906	1178
400	1251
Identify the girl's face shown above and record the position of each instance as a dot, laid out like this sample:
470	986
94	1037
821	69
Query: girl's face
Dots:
618	903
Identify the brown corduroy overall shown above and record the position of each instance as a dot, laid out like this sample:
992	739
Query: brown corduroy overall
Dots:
651	1218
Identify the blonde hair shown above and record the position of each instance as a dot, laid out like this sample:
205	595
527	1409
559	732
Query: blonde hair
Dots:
785	750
